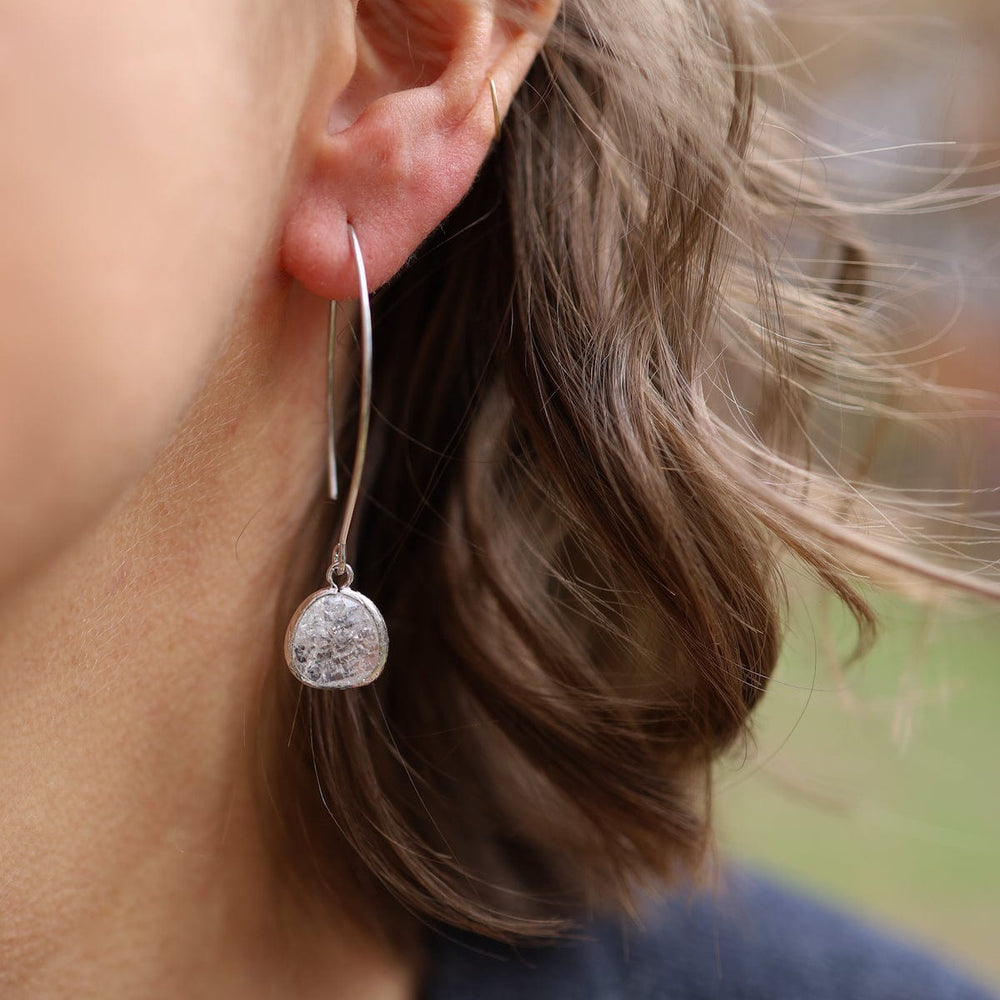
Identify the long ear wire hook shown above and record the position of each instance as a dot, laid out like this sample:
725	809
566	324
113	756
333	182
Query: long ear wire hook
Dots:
497	118
338	562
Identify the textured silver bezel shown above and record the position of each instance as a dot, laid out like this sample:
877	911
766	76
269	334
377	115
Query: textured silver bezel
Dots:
357	678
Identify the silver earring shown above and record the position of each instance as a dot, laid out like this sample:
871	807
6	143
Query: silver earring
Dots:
497	119
337	638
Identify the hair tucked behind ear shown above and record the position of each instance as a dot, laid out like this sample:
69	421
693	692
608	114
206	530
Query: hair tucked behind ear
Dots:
594	388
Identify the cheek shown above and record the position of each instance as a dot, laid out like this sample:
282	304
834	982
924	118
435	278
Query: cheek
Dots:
135	197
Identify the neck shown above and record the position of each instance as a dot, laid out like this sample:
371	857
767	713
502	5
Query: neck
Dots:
133	858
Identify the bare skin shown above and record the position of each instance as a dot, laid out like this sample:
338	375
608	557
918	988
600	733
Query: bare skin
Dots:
175	209
133	859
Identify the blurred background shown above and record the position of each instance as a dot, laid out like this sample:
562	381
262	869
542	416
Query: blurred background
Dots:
877	786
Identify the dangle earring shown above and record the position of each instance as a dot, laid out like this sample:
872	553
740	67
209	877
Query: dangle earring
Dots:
337	638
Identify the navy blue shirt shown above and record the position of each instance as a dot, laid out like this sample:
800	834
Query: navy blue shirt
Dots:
752	941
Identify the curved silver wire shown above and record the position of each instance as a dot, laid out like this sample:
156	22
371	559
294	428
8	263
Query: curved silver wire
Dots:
338	563
331	428
497	120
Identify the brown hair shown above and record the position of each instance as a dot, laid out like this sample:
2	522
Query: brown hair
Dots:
594	391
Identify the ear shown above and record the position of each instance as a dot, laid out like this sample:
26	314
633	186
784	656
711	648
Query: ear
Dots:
406	138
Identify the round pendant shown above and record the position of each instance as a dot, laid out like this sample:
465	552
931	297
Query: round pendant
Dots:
336	639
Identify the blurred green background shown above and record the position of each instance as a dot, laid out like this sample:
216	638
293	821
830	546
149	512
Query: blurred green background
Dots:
878	786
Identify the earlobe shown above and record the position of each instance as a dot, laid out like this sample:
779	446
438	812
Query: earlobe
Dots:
394	174
408	158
